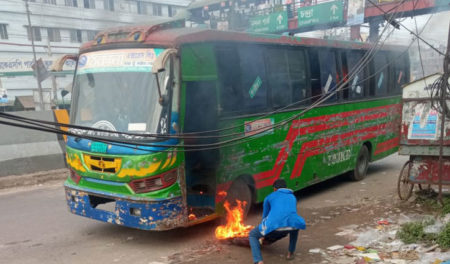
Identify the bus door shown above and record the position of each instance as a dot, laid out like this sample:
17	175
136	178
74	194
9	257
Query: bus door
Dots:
200	116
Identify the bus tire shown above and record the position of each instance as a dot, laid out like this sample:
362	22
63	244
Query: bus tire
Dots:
362	163
239	190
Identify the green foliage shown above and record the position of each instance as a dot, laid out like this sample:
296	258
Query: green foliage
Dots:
429	199
411	232
443	238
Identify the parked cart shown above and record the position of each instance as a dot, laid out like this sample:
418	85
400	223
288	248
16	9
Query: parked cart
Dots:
425	135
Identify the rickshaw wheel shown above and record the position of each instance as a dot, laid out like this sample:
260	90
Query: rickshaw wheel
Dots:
404	187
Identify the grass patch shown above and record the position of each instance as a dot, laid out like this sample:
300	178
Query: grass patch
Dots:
411	232
443	239
428	198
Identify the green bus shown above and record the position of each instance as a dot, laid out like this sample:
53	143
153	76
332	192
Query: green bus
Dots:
169	122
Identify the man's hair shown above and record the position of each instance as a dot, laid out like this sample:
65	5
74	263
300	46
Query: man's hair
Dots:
280	183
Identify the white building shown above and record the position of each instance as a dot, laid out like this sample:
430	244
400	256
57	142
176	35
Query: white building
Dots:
59	27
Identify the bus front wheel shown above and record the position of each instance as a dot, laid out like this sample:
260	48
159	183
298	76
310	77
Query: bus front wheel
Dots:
362	163
240	191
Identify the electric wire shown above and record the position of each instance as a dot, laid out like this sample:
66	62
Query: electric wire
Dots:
403	26
218	144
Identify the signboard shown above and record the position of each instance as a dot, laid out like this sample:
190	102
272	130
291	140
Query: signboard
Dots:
120	60
355	12
273	22
22	66
330	12
442	3
424	126
40	70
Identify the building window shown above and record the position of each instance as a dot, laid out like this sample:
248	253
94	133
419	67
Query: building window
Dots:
36	33
89	4
172	11
73	3
75	35
52	2
109	5
91	34
3	31
157	10
53	35
141	7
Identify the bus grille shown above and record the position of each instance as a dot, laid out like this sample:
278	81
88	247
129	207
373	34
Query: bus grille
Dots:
102	164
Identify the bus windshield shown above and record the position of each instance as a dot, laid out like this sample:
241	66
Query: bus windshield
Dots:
115	90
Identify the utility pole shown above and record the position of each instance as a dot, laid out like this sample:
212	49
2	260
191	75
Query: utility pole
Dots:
36	71
444	114
54	84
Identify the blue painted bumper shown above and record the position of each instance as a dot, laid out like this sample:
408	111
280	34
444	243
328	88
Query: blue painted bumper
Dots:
147	215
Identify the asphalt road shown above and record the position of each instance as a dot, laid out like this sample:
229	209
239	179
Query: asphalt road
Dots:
36	226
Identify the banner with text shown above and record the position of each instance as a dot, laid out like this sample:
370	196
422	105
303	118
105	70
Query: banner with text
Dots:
330	12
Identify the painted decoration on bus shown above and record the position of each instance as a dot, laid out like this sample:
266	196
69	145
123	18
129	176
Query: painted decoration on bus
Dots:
131	60
257	126
424	124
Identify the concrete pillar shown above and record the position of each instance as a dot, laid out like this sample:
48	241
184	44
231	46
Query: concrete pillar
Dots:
374	25
355	32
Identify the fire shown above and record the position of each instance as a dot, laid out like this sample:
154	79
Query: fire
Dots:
192	217
234	226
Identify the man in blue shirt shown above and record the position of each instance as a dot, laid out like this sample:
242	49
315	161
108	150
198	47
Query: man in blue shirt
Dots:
280	218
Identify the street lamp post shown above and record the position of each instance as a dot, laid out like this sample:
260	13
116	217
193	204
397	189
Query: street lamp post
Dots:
36	71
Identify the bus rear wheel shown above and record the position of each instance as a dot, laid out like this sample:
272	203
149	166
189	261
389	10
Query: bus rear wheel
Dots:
362	163
239	190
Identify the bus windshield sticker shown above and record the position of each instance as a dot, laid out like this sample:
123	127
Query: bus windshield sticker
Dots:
327	85
355	81
255	86
400	77
118	60
380	80
261	126
137	126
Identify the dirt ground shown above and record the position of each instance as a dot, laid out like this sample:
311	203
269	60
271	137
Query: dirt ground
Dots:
326	208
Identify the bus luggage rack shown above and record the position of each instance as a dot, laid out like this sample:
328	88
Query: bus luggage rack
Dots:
102	164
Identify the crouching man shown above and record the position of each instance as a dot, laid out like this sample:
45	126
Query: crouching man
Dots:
280	218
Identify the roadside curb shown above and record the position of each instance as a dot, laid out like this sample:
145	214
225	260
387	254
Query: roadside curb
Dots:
33	178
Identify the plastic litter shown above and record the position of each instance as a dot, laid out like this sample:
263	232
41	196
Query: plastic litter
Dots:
314	250
383	222
370	256
434	228
335	247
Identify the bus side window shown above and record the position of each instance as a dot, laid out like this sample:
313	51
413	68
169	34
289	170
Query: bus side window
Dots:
356	84
231	97
343	74
278	77
328	73
297	74
253	78
382	73
401	72
316	88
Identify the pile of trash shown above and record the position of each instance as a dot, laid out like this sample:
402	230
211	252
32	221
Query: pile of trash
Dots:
381	243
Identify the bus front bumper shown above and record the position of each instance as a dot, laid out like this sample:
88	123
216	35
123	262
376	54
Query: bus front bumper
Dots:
141	214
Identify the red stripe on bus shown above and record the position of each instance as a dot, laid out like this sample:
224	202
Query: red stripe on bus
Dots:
316	147
295	131
387	145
